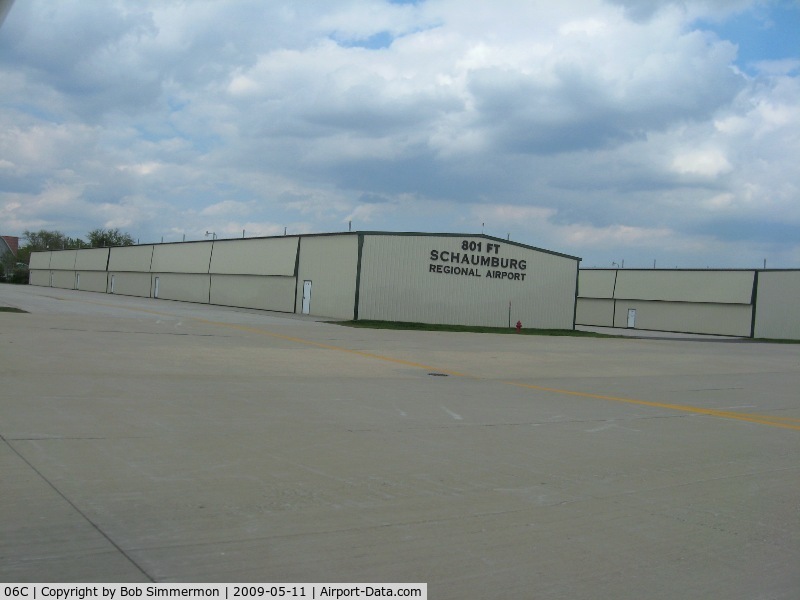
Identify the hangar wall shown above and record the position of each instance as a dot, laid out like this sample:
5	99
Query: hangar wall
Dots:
40	261
690	301
39	277
330	263
129	270
127	283
743	303
777	312
253	291
62	269
719	287
186	287
131	258
39	268
254	273
434	278
689	317
598	312
91	274
255	256
465	280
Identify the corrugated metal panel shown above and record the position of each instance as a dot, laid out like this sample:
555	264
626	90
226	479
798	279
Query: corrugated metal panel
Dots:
687	317
597	312
91	259
465	281
269	256
723	287
40	260
596	284
127	283
253	291
130	258
92	281
330	263
188	287
777	312
63	260
193	257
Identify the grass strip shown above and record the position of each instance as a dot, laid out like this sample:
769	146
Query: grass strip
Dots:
407	326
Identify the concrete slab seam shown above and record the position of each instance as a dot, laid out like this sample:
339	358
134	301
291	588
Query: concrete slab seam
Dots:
74	507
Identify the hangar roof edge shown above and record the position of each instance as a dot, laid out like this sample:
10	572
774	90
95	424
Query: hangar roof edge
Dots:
471	235
353	233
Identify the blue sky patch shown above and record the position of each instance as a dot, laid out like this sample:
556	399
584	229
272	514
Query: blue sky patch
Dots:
377	41
761	33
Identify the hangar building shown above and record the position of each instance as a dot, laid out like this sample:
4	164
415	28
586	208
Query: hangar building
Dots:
756	303
415	277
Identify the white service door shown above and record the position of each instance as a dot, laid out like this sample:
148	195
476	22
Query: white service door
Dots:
631	318
306	297
112	284
155	288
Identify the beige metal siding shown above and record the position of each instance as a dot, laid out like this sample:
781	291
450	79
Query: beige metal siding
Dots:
402	281
40	260
94	259
253	291
330	263
688	317
63	260
63	279
188	287
39	277
596	284
597	312
127	283
131	258
39	265
270	256
193	257
777	312
91	281
725	287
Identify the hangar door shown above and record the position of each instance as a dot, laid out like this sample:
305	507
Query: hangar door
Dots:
306	297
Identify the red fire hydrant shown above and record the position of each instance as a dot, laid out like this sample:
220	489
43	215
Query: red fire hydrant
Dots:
519	326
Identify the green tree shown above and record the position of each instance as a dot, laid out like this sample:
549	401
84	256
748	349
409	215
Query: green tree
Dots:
7	264
99	238
44	240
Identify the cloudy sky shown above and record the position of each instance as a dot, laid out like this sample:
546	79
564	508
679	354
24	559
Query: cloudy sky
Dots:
635	130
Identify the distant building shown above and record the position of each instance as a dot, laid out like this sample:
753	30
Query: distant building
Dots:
9	243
